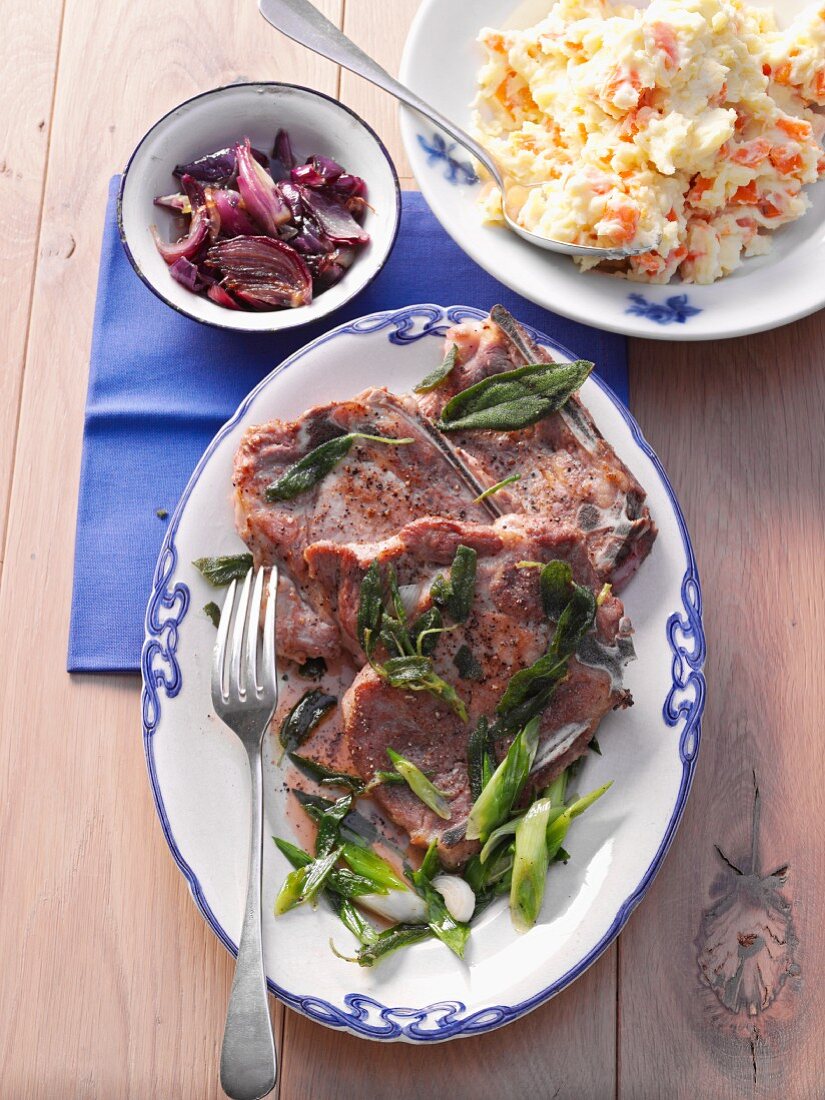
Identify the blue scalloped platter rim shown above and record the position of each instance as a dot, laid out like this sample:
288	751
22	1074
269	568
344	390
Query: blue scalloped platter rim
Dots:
683	707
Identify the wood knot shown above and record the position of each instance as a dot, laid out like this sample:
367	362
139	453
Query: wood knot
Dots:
747	941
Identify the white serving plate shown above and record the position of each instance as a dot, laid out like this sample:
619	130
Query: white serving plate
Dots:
198	769
440	63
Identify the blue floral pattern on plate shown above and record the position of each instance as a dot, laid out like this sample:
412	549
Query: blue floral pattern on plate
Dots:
674	310
455	170
168	606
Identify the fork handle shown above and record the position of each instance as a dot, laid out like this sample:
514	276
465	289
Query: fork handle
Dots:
249	1066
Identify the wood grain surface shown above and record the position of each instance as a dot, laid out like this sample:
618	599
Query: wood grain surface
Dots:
112	986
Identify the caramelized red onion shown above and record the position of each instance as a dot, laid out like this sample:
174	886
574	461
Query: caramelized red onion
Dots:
259	193
264	272
264	233
199	227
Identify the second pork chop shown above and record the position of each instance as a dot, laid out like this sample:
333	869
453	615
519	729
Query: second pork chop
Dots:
506	631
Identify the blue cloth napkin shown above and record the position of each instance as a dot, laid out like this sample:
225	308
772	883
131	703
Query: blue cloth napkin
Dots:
161	385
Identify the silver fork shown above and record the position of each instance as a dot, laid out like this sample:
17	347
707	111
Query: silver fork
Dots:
244	695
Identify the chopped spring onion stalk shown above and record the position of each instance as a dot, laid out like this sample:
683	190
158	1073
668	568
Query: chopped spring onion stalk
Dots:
340	881
557	830
420	785
530	865
368	864
605	594
303	884
508	829
493	805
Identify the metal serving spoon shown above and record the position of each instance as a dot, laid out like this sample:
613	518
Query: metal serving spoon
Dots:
301	21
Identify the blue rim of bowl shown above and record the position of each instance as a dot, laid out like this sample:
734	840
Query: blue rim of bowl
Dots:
258	84
686	639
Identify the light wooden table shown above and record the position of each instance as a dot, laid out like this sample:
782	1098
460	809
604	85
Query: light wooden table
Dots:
112	986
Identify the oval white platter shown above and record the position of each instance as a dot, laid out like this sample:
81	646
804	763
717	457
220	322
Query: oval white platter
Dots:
441	60
198	769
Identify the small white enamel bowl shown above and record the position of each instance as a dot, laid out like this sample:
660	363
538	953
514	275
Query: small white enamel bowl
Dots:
213	120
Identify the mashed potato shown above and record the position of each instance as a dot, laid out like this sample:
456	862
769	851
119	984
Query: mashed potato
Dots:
686	127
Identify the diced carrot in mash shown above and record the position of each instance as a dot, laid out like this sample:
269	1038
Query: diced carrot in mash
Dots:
495	42
785	160
783	73
819	84
770	209
720	97
795	127
598	182
617	79
650	262
751	153
700	186
665	40
745	196
626	219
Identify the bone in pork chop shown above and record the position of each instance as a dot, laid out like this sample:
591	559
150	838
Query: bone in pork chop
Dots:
375	490
567	470
507	630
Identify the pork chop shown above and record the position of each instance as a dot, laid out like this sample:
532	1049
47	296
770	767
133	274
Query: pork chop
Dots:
507	630
567	470
373	491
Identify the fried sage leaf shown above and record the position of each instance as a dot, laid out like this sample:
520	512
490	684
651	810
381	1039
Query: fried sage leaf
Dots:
313	668
401	936
370	608
355	827
467	664
308	471
304	717
479	760
455	595
556	580
327	776
530	689
441	373
426	630
222	571
213	613
515	399
417	674
328	836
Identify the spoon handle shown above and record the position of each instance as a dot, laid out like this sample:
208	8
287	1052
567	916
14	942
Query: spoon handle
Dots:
301	21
